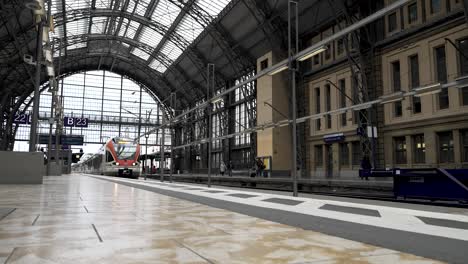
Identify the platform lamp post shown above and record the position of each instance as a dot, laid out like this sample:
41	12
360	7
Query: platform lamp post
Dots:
292	65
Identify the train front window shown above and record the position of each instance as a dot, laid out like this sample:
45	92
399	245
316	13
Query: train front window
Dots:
125	151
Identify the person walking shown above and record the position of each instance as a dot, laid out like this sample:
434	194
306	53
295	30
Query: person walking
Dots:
222	168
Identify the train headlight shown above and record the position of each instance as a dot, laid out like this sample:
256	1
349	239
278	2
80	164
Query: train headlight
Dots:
117	163
134	164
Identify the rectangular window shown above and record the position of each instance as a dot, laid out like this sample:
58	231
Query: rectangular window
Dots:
419	148
463	56
340	46
263	64
441	64
416	105
398	109
464	140
444	99
414	81
435	6
357	152
414	71
317	59
328	52
342	86
400	150
392	22
318	124
412	12
396	76
445	147
318	155
328	104
464	95
344	154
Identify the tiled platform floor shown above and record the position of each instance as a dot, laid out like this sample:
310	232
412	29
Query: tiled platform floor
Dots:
79	219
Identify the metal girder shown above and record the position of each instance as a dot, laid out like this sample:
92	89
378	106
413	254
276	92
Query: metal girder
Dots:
73	64
64	15
241	61
150	9
260	10
174	37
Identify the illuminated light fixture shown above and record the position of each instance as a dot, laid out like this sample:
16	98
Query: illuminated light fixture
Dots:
461	82
117	163
312	53
216	100
427	90
278	70
50	71
48	54
391	98
362	107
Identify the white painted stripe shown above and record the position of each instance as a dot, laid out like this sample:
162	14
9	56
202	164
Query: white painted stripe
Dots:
391	217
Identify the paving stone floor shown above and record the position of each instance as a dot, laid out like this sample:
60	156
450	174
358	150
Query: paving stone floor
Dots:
79	219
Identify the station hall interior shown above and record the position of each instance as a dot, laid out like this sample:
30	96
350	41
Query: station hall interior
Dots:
233	131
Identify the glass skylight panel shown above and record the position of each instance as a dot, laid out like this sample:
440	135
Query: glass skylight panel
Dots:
165	13
132	28
189	28
77	4
213	8
77	27
98	25
140	54
171	50
142	7
158	66
103	4
150	37
77	46
131	6
58	33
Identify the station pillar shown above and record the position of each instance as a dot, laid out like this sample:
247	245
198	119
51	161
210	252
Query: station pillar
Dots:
273	106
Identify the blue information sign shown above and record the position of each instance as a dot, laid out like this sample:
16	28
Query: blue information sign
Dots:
22	119
68	121
75	122
81	122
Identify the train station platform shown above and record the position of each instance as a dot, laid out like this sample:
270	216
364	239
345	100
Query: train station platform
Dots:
99	219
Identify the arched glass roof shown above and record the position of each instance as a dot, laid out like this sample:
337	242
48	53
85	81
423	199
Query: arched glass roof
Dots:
161	29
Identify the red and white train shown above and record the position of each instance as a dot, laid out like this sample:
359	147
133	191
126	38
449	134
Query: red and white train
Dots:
118	157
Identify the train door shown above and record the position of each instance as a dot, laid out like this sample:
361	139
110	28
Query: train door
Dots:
329	161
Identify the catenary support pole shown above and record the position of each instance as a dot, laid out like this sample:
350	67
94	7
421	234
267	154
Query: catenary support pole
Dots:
35	113
209	88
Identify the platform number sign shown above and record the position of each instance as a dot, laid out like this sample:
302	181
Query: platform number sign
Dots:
75	122
81	122
68	121
22	119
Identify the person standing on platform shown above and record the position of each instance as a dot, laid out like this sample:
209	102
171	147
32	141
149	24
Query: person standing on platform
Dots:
260	167
222	168
230	167
366	166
